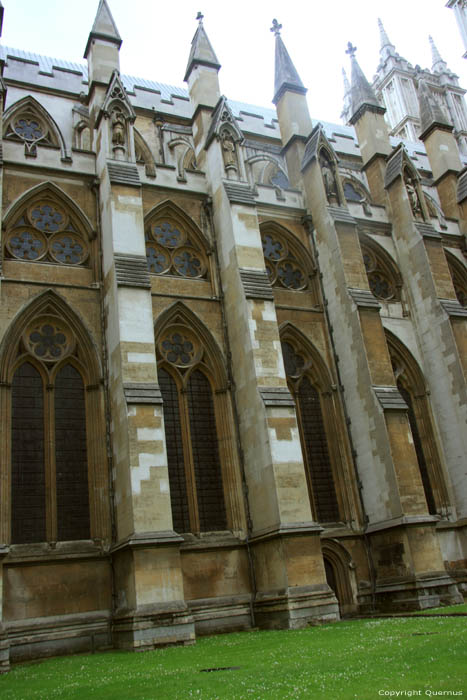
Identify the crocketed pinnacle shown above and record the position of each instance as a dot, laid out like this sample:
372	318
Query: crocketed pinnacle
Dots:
438	63
201	52
361	92
104	27
431	113
346	82
285	73
383	36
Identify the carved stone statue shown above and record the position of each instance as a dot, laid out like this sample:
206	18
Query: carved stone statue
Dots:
329	178
118	129
414	199
229	150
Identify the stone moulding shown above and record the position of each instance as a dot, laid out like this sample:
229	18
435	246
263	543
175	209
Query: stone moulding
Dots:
276	396
239	194
132	271
363	298
453	308
123	174
256	284
138	393
390	398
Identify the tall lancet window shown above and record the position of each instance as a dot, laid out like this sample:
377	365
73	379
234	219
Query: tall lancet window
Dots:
195	471
49	462
299	370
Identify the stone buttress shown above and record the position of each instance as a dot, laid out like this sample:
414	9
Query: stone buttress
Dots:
150	608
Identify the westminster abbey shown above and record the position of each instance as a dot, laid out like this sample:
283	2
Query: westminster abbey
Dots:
233	346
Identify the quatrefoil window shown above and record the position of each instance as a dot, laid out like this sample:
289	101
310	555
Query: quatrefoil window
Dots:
281	264
46	233
170	251
28	129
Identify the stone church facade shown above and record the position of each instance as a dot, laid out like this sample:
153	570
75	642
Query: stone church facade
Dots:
232	355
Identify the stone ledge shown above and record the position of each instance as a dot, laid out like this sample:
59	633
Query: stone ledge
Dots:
239	194
427	230
148	539
462	186
453	308
342	215
137	393
256	284
123	174
363	298
390	398
132	271
276	396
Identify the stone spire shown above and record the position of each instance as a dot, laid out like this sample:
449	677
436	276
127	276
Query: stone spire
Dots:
345	116
362	96
431	113
439	66
104	27
201	52
383	36
285	76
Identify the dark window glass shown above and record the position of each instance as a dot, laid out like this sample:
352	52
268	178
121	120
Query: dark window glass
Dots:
173	435
322	481
205	452
27	457
419	451
71	456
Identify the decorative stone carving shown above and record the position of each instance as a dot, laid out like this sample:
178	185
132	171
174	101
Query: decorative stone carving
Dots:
329	178
414	199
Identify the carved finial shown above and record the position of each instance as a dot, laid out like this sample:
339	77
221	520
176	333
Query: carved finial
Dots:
276	27
200	17
351	50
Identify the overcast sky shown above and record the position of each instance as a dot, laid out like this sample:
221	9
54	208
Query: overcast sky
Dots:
157	35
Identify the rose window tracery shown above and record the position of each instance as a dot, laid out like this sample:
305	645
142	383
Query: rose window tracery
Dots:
282	267
170	251
46	233
48	339
380	280
30	129
179	348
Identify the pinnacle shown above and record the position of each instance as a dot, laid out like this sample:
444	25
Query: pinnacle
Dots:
201	52
285	74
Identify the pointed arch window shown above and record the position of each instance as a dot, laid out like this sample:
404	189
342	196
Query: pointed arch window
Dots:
411	385
285	261
459	278
49	464
44	231
195	470
29	123
316	453
173	249
383	279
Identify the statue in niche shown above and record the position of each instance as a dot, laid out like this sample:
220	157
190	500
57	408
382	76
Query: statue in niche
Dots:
229	151
414	199
329	179
118	130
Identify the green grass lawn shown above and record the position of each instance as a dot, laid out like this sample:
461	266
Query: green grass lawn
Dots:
351	659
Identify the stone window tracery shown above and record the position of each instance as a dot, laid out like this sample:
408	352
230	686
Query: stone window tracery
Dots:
171	250
381	279
195	470
282	264
299	369
46	233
